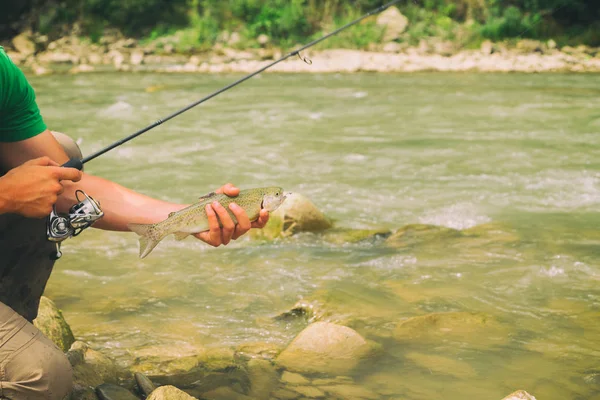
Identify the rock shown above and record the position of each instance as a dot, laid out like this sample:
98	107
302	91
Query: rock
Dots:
263	378
519	395
90	367
234	39
325	348
195	61
294	379
23	44
308	391
52	324
442	365
413	234
267	351
94	58
169	393
116	57
467	327
551	44
168	48
392	47
57	57
444	48
530	46
107	391
136	58
262	39
350	392
487	47
332	381
15	57
40	70
284	394
81	68
342	235
296	214
79	392
225	393
144	384
394	22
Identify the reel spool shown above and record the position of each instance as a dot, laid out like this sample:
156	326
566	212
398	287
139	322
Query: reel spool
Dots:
81	216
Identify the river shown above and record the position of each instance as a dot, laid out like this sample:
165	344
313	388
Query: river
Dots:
515	156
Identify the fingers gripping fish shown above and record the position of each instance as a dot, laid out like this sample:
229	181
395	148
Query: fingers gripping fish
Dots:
193	219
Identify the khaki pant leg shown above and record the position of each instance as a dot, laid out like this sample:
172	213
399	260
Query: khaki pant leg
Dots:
31	366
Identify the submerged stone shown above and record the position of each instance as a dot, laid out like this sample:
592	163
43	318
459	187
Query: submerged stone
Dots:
345	235
225	393
52	324
144	384
293	379
169	393
467	327
263	378
308	391
267	351
108	391
350	392
442	365
413	234
325	348
519	395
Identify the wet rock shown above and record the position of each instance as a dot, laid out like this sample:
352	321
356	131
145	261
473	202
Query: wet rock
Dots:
394	22
442	365
169	393
344	235
332	381
107	391
308	391
225	393
293	379
296	214
144	384
267	351
284	394
326	348
52	324
23	44
519	395
413	234
350	392
263	378
467	327
90	367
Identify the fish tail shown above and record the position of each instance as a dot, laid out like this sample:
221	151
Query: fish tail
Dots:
149	237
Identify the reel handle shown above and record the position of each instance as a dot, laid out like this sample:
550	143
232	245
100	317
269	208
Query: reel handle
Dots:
74	163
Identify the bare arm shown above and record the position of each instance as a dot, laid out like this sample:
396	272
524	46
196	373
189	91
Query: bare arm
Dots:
121	205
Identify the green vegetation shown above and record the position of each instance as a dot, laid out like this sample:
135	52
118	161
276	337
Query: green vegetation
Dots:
199	24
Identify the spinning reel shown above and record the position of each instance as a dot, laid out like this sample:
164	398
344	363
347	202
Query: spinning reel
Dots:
81	216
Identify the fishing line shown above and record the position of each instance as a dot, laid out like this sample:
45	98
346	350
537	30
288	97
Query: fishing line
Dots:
77	163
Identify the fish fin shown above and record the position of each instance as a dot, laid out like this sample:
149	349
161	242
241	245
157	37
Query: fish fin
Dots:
181	235
172	213
147	240
207	196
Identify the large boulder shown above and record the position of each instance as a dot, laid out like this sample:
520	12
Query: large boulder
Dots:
91	368
52	324
394	22
296	214
325	348
23	44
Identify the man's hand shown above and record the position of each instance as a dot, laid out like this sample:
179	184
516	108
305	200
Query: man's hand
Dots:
217	236
32	188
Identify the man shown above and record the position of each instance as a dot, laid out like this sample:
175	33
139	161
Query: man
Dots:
31	367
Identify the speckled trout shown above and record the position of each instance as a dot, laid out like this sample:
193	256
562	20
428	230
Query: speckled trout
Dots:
193	219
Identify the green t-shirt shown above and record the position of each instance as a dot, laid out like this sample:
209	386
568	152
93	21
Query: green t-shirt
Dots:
19	114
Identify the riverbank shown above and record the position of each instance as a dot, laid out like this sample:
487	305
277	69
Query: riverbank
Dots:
74	55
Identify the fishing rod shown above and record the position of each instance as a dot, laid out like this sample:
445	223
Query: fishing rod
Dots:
87	211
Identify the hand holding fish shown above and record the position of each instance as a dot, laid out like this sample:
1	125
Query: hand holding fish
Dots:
215	212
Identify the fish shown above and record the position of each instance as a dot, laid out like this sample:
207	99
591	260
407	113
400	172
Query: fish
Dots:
193	219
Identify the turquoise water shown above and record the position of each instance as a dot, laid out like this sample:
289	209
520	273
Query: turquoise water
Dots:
510	160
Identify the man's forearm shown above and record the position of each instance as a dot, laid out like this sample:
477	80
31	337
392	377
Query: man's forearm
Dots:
120	205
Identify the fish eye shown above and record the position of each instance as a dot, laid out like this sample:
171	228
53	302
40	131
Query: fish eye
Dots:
277	194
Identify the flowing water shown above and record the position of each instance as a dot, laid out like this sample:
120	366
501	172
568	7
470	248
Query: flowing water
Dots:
512	161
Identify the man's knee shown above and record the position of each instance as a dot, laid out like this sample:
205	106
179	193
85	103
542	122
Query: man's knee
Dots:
69	145
35	369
